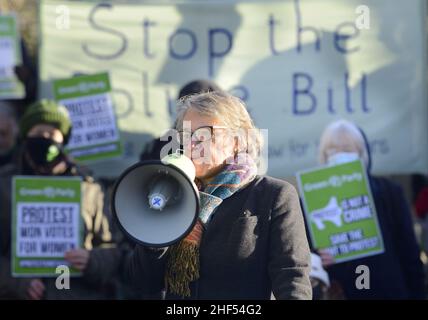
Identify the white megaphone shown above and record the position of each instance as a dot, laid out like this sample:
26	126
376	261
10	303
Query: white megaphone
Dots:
157	202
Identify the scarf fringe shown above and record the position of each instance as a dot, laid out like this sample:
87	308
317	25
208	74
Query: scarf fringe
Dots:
182	268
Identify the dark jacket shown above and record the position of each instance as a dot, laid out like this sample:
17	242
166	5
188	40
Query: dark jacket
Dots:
254	245
99	278
398	272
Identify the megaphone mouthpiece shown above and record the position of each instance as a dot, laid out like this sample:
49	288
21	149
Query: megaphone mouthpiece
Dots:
157	201
162	190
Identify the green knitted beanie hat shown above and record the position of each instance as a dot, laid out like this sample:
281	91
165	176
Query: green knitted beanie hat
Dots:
46	112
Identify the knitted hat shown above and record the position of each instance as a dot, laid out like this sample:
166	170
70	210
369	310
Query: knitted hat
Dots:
46	112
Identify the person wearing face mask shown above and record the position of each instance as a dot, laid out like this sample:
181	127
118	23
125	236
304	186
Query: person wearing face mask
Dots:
45	129
8	135
398	272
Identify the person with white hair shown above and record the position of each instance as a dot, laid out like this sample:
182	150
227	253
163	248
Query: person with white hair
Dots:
398	272
343	140
249	239
8	134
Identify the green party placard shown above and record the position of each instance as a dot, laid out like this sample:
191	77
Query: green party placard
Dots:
340	211
46	223
95	135
10	56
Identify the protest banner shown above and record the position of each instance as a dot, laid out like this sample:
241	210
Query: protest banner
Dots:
95	135
340	211
10	57
46	223
298	65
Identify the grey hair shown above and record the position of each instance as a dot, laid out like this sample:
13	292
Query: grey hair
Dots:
342	134
228	109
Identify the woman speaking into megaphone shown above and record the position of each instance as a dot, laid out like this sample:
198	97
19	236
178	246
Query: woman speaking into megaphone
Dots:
249	238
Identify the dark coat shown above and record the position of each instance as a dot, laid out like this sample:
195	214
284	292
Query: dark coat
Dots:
398	272
254	245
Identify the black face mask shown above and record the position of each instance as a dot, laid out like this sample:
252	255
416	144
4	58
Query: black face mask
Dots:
44	152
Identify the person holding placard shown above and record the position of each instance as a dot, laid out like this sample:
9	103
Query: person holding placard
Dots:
45	129
397	273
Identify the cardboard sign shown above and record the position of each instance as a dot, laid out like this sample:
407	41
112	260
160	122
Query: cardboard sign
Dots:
10	56
95	135
46	223
340	211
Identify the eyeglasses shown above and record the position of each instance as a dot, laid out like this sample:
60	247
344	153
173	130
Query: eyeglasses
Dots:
198	136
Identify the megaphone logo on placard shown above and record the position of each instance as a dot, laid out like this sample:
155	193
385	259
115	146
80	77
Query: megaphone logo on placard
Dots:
156	203
331	212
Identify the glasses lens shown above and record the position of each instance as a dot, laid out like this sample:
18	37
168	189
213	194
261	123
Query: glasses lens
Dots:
201	135
198	136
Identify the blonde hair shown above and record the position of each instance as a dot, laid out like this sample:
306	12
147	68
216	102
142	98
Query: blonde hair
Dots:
342	135
228	109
